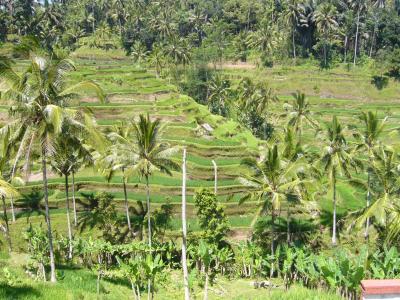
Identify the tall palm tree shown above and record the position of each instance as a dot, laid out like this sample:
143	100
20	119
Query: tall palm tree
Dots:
40	96
300	114
63	162
336	161
157	60
152	155
292	16
385	173
218	100
271	182
368	141
6	189
121	156
325	19
360	6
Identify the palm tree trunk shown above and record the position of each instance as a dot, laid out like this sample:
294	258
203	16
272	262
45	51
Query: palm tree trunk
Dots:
293	43
372	41
288	225
7	229
334	211
345	48
184	262
68	219
148	210
149	293
356	39
206	285
368	203
128	219
47	213
325	53
73	199
12	208
215	177
272	242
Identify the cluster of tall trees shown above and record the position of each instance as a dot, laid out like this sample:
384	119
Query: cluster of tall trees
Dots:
332	31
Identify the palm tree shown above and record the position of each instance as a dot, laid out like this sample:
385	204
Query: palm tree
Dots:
40	96
63	162
292	15
139	52
325	19
121	156
265	38
360	6
6	189
152	155
300	113
156	59
271	182
336	161
368	138
218	100
385	210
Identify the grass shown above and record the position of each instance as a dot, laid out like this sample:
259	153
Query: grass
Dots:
76	283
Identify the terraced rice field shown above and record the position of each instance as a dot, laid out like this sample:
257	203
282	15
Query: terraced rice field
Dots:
132	90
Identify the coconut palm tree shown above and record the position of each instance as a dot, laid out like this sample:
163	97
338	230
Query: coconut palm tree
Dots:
272	181
292	16
368	141
157	60
336	161
40	96
218	100
325	19
63	162
152	155
360	6
121	156
6	189
300	114
385	210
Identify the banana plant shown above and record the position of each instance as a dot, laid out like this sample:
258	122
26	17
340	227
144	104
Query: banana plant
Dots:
152	266
133	270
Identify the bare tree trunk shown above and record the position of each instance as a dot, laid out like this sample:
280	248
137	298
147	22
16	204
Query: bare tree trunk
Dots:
334	212
47	213
7	228
356	39
73	199
128	219
215	177
68	219
184	262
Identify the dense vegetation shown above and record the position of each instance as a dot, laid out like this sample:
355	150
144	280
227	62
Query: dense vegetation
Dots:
198	148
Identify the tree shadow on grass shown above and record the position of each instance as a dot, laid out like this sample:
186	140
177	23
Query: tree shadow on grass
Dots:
17	292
